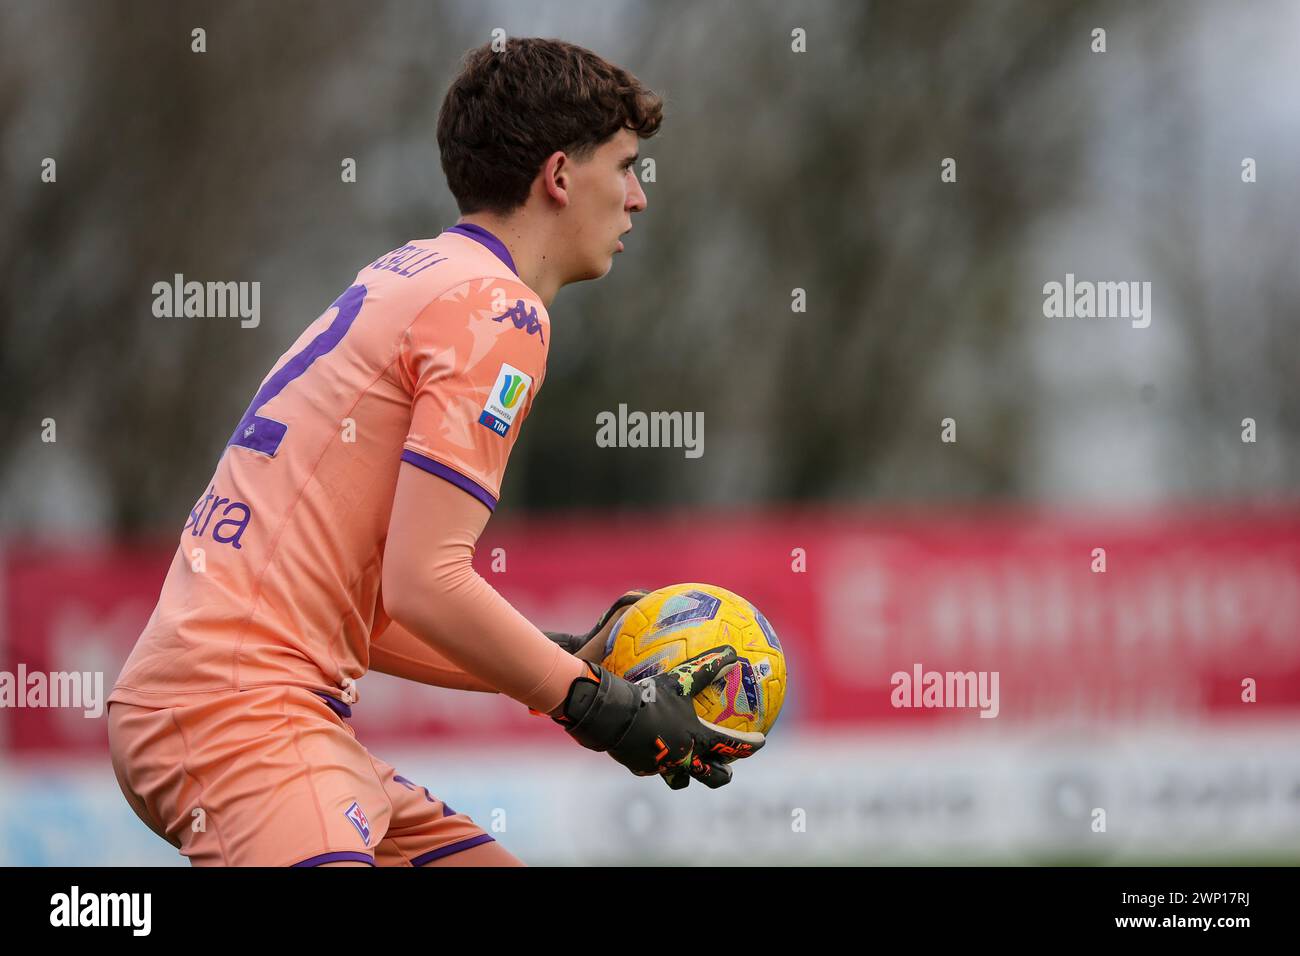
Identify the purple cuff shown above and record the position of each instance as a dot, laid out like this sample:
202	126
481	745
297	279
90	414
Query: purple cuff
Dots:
452	475
451	848
342	856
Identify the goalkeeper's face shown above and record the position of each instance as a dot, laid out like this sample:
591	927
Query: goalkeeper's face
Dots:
603	194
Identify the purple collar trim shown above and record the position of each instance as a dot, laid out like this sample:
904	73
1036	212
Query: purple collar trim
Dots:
481	235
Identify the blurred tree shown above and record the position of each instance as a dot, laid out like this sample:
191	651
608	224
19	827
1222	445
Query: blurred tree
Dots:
775	170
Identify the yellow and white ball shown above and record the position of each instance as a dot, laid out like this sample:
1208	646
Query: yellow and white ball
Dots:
673	624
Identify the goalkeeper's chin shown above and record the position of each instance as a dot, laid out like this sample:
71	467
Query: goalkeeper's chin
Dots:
599	266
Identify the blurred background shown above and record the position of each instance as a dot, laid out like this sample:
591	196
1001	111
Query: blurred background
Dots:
805	277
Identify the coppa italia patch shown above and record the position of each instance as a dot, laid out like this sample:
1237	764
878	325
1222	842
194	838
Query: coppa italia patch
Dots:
505	399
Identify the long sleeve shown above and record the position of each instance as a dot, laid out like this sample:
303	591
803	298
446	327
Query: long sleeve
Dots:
398	652
431	589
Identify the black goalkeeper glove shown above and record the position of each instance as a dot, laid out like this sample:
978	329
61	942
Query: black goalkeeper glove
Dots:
576	642
651	727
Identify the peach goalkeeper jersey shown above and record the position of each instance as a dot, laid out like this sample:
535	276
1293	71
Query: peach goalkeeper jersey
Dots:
433	356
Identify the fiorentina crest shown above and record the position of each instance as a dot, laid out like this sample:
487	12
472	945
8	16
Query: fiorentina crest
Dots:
358	818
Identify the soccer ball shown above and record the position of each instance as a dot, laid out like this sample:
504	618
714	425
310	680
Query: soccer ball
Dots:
668	626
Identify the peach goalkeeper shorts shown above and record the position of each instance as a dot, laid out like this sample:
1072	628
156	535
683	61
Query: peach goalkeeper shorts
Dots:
274	776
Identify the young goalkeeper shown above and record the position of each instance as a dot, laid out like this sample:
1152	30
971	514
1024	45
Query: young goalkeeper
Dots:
336	534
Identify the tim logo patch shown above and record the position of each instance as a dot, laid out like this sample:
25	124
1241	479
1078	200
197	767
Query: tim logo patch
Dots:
506	399
358	818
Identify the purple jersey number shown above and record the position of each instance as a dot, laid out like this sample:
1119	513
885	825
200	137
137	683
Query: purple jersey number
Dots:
265	434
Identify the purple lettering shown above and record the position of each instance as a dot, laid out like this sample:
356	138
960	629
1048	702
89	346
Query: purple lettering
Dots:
211	511
195	513
202	505
239	523
433	255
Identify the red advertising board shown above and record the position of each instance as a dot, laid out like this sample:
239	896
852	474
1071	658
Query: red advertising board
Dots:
1194	613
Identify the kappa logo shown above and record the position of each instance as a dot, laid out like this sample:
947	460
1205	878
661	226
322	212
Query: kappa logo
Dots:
523	318
358	817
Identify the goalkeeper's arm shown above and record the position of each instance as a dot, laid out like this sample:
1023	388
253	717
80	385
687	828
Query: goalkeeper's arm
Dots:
431	589
397	651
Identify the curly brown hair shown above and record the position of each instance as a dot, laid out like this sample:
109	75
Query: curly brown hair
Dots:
508	110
